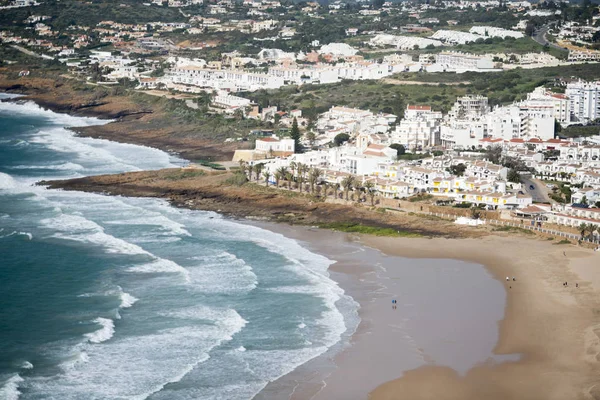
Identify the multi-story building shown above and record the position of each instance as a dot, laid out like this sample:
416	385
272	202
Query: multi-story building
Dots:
585	101
419	129
560	103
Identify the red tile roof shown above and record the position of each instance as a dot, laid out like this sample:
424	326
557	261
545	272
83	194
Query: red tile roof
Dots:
420	108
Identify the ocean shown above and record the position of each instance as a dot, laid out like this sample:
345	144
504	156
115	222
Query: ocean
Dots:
129	298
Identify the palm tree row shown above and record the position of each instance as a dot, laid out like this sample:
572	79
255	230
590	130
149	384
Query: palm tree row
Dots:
302	174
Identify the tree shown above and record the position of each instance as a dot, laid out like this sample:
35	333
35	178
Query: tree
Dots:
529	29
289	177
311	137
258	170
336	188
295	134
400	149
280	174
347	184
266	175
475	213
370	188
584	200
513	176
494	154
313	177
458	169
243	166
583	228
301	177
340	139
377	4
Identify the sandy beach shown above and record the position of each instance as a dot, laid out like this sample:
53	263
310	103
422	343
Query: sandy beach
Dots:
543	343
554	327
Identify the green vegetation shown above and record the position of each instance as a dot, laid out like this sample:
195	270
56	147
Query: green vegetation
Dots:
420	197
561	193
579	131
503	46
73	12
368	230
514	229
413	156
237	179
184	174
500	87
564	241
212	165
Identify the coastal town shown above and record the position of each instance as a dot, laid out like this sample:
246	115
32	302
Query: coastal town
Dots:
270	199
495	154
508	158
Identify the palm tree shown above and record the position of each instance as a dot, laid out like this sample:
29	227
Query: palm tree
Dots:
347	184
301	181
370	188
289	177
293	167
336	188
313	177
258	169
583	228
242	166
266	175
280	174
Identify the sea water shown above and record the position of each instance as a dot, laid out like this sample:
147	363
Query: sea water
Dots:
129	298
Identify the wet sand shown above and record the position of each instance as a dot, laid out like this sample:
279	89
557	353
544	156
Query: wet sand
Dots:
554	327
435	321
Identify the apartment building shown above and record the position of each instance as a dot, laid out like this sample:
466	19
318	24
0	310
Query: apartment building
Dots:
584	101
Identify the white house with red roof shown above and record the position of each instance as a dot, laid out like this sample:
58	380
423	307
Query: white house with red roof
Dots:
275	146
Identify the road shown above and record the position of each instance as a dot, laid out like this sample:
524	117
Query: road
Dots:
539	193
540	37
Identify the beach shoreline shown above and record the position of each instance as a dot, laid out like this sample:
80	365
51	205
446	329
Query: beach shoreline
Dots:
548	333
386	342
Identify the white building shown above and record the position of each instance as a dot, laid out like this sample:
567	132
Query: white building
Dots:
585	101
460	62
225	79
275	146
230	102
560	103
521	120
419	129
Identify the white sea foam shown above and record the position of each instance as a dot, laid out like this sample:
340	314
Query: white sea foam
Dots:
80	229
28	235
27	365
161	266
29	108
241	348
302	325
154	219
10	389
222	273
6	181
135	367
68	166
127	300
103	334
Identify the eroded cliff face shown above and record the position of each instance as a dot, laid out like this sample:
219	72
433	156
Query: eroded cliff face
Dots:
143	124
